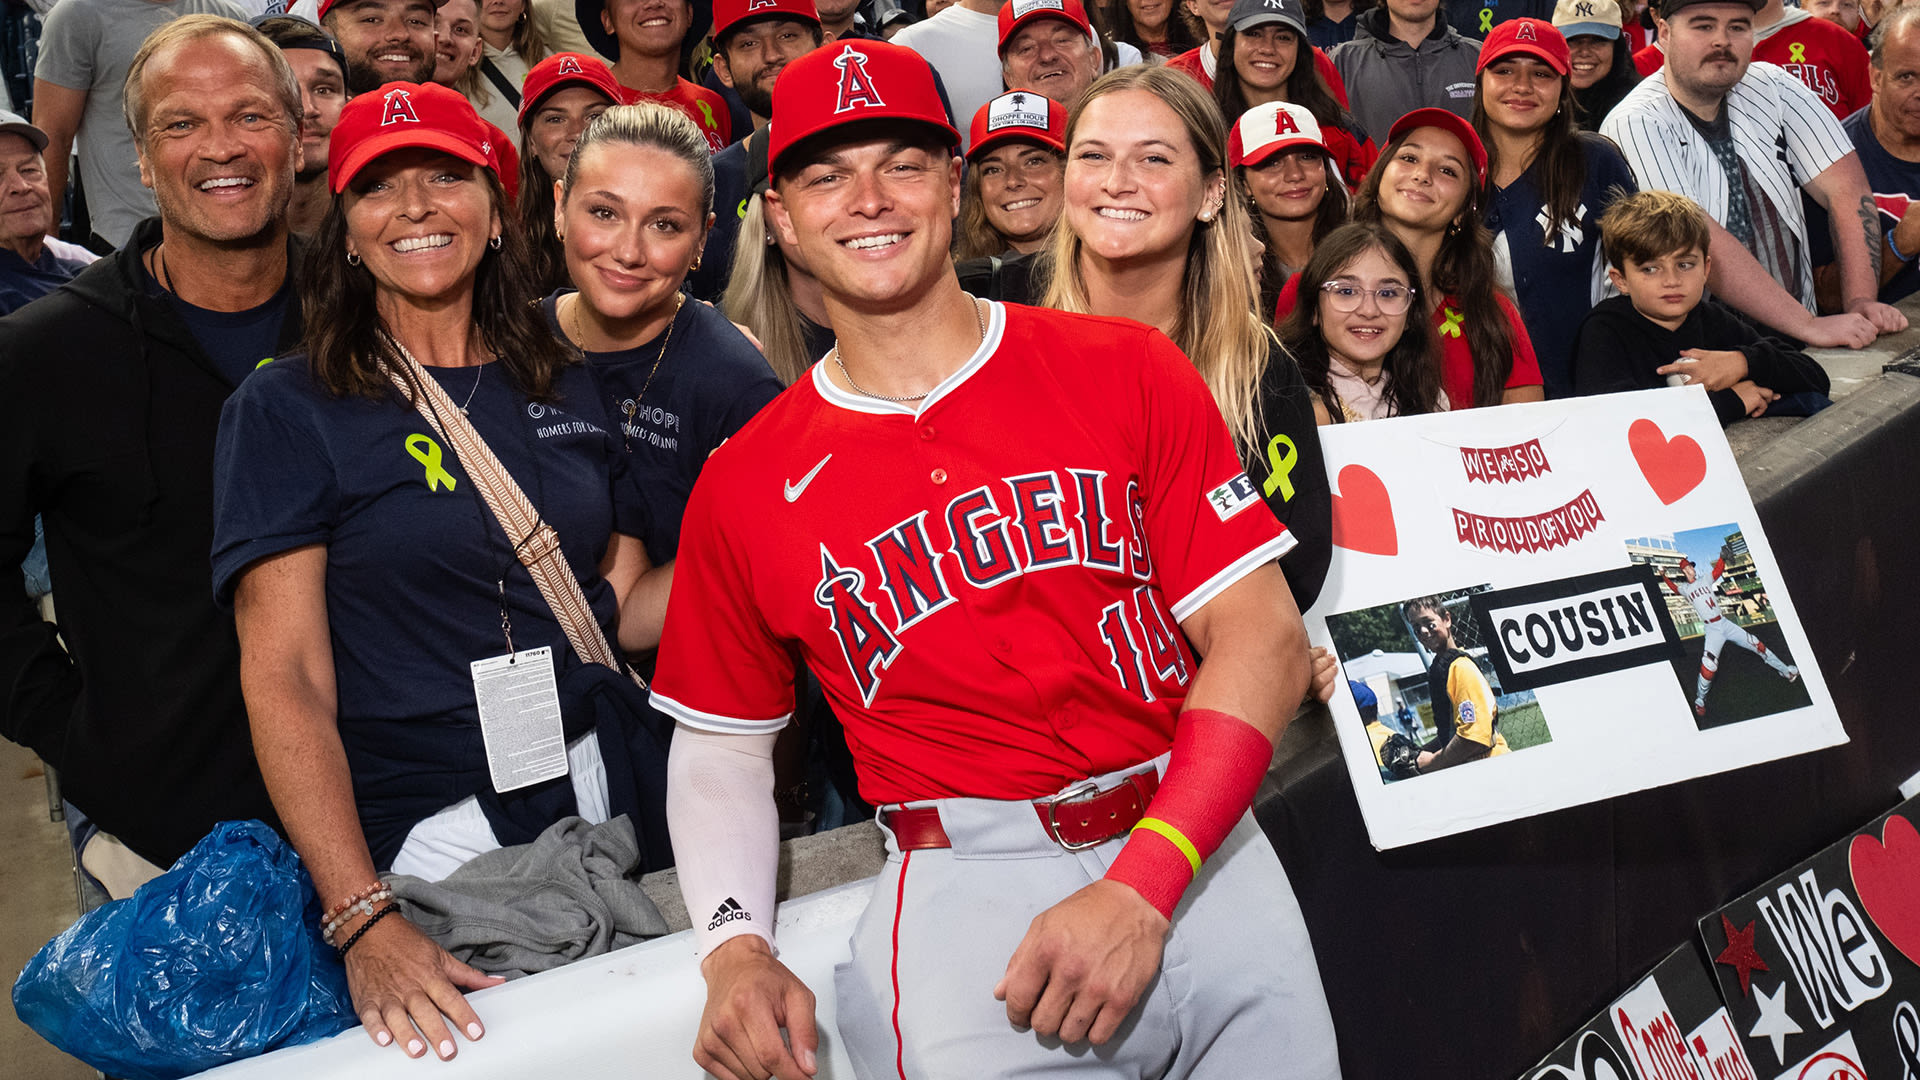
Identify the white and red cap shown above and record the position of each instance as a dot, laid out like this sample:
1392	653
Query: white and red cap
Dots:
1266	130
403	115
850	81
563	69
1015	14
329	5
1025	115
728	12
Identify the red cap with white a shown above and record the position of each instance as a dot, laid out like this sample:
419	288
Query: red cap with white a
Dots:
402	115
850	81
1015	14
1023	114
1266	130
563	69
728	12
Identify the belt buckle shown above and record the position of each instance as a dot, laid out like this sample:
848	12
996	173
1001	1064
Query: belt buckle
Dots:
1079	791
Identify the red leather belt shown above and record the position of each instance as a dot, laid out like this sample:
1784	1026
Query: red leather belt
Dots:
1716	618
1078	818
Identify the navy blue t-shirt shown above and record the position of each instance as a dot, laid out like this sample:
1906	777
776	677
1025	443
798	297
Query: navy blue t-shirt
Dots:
413	554
708	384
23	282
236	341
1886	175
1557	283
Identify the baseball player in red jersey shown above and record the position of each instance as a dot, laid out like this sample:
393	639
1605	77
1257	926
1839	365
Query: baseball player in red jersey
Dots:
1719	630
1018	551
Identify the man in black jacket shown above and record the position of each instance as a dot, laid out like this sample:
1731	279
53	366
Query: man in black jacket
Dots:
115	384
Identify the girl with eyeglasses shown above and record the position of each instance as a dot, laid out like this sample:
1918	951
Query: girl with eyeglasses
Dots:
1352	338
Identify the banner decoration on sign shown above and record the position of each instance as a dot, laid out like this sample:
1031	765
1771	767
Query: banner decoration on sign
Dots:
1542	605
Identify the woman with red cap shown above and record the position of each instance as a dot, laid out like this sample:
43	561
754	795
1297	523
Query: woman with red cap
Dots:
424	528
1012	193
1425	189
1294	191
1548	182
564	93
1154	230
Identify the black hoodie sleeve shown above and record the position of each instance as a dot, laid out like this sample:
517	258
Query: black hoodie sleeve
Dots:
1608	356
38	683
1771	363
1297	491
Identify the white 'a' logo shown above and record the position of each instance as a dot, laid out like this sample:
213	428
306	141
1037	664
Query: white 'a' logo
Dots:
569	66
856	89
399	108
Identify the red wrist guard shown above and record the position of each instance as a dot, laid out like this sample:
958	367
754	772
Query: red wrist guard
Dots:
1215	768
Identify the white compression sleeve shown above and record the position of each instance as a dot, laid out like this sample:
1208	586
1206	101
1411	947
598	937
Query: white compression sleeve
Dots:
726	832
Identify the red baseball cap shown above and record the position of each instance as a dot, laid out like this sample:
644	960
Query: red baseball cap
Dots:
1015	14
562	69
1448	122
1533	37
728	12
1265	130
850	81
503	159
329	5
1022	114
401	115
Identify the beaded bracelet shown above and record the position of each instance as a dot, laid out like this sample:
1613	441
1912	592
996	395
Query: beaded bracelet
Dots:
333	913
361	906
341	950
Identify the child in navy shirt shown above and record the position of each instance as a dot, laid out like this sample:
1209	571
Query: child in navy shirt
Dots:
1662	331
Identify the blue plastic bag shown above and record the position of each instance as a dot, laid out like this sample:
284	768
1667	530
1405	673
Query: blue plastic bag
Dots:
215	960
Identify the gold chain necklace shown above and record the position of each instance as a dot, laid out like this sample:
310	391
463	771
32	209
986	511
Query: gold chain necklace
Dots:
631	407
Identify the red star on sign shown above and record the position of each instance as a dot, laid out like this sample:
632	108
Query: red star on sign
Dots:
1740	953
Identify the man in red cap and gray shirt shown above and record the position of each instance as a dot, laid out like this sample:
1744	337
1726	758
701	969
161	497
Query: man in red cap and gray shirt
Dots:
1018	551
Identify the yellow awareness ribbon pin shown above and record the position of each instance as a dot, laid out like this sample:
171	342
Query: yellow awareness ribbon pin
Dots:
427	452
1486	19
1451	327
1280	467
1796	53
706	110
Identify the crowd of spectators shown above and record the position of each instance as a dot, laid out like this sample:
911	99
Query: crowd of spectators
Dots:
234	288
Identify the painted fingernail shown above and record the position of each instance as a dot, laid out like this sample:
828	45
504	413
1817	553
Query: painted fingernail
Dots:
446	1048
414	1048
383	1038
474	1030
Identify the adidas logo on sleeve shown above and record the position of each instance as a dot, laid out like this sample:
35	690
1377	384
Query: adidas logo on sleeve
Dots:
728	911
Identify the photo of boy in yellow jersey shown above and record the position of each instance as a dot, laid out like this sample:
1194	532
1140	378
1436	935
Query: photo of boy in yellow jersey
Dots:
1464	713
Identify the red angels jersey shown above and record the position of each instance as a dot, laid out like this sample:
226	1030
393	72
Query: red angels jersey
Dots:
707	109
989	586
1831	61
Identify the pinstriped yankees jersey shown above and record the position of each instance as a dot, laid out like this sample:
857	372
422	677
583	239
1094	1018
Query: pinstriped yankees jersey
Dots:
1783	132
989	585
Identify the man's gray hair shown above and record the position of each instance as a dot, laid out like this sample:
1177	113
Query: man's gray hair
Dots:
1899	19
188	28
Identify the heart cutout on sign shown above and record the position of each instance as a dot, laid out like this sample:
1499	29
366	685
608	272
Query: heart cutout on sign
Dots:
1887	877
1363	514
1673	466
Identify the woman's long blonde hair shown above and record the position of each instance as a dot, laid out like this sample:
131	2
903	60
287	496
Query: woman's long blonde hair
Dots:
1219	329
759	298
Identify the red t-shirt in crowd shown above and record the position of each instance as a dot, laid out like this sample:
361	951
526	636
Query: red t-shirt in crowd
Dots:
1649	60
988	586
708	109
1822	54
1456	361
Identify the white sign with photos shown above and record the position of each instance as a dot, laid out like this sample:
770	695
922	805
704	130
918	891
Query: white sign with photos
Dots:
1542	605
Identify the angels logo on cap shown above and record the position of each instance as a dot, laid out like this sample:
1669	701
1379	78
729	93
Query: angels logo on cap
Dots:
1284	124
1023	8
1525	33
569	66
856	89
399	108
761	5
1018	109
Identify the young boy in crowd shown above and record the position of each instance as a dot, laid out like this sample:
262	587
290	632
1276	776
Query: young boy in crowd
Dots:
1661	331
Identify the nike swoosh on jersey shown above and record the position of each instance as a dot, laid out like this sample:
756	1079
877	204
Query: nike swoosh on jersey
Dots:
794	491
